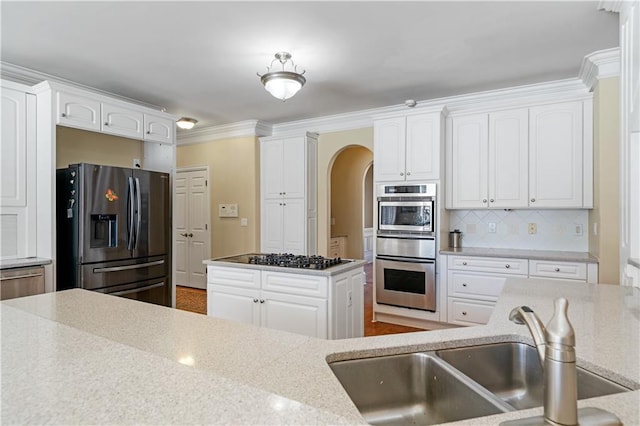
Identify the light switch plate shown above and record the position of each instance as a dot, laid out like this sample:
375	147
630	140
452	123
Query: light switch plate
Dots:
227	210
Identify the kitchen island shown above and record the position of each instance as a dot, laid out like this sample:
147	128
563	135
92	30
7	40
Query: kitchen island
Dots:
82	357
309	295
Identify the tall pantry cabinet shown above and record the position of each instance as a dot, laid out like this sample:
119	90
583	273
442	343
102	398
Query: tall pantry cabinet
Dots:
288	188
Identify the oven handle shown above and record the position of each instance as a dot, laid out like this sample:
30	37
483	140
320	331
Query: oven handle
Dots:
406	259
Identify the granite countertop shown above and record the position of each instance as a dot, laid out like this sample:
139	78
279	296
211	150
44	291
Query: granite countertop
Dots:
130	362
23	262
562	256
334	270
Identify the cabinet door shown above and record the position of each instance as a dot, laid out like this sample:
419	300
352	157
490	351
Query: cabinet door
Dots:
13	182
271	167
509	159
423	147
389	149
296	314
78	111
294	167
555	153
235	304
158	129
469	161
294	226
122	121
272	226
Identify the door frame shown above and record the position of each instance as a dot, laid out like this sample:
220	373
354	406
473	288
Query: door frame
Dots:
204	168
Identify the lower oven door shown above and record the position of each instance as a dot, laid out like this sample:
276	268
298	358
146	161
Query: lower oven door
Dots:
409	283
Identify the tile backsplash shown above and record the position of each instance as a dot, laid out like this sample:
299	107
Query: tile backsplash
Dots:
554	229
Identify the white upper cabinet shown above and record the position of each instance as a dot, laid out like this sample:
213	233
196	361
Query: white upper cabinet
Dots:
508	159
78	111
122	121
556	157
408	148
284	168
469	149
538	157
158	129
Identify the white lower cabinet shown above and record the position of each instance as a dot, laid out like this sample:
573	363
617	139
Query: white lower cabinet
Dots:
326	307
475	283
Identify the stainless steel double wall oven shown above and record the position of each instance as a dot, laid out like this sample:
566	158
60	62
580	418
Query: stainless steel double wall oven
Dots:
406	246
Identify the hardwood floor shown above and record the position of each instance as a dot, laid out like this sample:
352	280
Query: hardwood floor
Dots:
195	300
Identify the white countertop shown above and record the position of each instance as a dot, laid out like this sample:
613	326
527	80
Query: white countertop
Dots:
23	262
564	256
94	358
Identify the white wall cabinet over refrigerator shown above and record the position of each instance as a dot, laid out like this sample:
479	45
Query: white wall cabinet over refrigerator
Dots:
17	172
408	148
288	179
538	157
325	307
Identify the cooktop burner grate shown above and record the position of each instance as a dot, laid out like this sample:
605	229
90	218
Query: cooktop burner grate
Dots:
287	260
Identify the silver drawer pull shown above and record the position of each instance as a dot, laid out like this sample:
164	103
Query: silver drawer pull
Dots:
464	313
464	263
557	269
17	277
126	268
464	284
507	266
255	300
261	300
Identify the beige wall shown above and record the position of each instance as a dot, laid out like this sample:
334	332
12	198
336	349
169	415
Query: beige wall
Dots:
606	199
234	167
80	146
347	180
329	145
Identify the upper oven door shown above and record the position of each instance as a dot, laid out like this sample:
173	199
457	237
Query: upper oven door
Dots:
415	216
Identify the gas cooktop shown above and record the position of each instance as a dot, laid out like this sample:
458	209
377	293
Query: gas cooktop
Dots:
287	260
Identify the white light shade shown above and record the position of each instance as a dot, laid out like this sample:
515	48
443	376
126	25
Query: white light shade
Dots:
282	88
186	123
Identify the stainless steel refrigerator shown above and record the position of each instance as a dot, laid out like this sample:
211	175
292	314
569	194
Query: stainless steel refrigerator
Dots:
114	232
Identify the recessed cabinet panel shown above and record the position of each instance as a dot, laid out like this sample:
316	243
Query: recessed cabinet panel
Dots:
271	164
272	226
78	111
294	220
122	121
13	173
555	147
423	146
389	149
469	168
509	159
158	129
293	166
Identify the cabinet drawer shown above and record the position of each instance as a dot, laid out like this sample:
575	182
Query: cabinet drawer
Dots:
304	285
476	285
236	277
467	312
565	270
489	264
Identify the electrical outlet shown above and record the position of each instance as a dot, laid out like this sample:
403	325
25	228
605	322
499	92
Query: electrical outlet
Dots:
595	229
244	221
136	163
533	228
578	229
492	227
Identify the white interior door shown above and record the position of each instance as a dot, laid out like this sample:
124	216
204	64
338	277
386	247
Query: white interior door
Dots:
192	232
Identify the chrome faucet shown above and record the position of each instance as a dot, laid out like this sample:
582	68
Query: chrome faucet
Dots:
556	349
555	345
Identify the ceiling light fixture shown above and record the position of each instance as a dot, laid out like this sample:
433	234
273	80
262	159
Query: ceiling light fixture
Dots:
283	84
186	123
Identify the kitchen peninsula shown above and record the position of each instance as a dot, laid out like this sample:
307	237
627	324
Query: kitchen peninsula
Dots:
309	295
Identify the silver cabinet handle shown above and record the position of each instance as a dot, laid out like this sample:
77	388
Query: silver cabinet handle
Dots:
557	269
464	263
484	200
533	200
464	284
148	132
401	174
464	313
64	115
261	300
507	266
491	200
255	300
106	124
408	173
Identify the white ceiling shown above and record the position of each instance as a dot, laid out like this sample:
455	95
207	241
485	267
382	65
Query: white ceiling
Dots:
200	59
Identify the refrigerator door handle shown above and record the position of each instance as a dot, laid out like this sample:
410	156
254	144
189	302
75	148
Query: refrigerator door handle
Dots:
128	267
131	215
139	207
137	290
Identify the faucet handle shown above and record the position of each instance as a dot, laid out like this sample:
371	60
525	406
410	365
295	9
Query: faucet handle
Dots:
559	329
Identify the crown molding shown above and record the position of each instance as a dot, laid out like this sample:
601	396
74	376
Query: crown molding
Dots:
226	131
610	5
32	77
598	65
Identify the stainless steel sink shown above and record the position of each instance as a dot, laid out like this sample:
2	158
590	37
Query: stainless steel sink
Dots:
413	388
513	372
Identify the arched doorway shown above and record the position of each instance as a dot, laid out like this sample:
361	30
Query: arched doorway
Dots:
348	201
